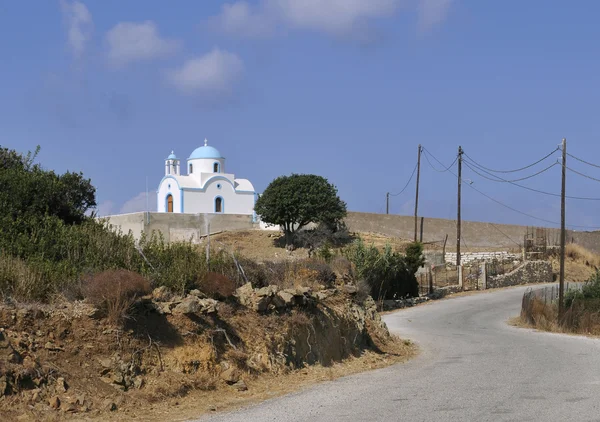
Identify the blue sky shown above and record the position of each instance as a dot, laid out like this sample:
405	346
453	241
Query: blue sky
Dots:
342	88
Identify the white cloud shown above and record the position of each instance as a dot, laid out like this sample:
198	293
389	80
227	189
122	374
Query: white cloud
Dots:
432	12
215	73
105	208
139	203
239	19
79	25
130	41
337	17
334	16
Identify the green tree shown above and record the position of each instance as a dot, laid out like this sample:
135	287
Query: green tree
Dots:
26	189
293	202
414	257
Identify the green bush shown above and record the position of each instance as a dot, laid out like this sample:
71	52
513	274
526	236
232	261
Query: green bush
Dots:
588	296
385	272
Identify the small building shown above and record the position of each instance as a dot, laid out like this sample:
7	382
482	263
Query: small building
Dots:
206	188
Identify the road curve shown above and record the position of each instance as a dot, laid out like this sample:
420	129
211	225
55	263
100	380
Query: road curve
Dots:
472	367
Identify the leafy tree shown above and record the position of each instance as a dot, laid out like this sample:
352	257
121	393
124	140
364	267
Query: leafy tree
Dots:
293	202
414	257
26	189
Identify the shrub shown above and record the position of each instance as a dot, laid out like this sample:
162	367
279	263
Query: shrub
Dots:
20	281
386	272
115	291
217	286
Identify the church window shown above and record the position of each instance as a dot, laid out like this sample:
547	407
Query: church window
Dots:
216	168
191	169
218	204
169	203
218	186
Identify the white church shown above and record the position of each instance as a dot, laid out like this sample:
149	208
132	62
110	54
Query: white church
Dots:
206	188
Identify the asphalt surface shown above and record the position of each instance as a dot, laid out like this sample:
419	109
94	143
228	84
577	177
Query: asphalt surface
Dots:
472	367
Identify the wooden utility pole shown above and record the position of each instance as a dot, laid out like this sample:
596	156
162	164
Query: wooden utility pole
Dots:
417	192
561	279
458	221
387	203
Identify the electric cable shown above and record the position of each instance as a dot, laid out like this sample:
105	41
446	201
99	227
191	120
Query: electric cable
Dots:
519	169
583	161
433	167
581	174
407	183
514	209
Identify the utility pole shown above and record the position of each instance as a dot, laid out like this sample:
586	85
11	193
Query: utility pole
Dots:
561	279
417	191
458	221
387	203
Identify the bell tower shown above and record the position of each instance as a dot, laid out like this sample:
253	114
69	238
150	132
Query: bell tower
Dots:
172	165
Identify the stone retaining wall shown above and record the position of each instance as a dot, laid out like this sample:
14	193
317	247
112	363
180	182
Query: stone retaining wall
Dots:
529	272
468	257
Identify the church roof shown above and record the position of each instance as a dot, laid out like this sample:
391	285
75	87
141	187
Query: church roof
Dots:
172	156
205	151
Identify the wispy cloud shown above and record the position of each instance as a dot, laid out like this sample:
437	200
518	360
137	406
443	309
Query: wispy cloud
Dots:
80	25
140	203
214	74
432	12
129	42
343	18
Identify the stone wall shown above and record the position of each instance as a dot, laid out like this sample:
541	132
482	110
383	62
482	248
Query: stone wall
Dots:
475	234
180	227
467	257
529	272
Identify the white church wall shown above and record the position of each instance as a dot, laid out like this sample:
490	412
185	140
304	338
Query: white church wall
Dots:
169	186
204	165
196	201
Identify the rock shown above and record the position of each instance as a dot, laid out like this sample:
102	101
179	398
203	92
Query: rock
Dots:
230	376
286	297
161	294
350	289
61	385
245	294
189	305
54	403
240	386
322	295
53	347
198	294
7	351
262	304
302	291
109	405
4	385
138	382
208	306
264	291
95	313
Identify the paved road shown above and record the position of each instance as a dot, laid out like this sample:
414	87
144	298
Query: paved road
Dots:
473	367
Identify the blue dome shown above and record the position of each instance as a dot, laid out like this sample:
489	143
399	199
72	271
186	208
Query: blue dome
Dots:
172	156
205	152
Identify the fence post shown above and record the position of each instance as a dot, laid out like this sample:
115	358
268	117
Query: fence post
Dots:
483	276
459	269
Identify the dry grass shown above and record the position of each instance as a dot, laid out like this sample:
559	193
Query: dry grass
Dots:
580	263
578	253
193	403
542	316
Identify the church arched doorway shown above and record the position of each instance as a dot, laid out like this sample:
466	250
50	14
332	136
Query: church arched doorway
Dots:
218	204
169	203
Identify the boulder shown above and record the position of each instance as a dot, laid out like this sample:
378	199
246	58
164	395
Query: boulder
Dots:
245	294
198	294
262	304
208	306
189	305
61	385
7	353
231	375
286	298
266	291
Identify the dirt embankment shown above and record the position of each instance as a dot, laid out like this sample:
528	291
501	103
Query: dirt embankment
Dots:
180	357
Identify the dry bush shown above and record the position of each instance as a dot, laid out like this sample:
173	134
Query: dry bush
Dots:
580	254
115	292
217	286
20	281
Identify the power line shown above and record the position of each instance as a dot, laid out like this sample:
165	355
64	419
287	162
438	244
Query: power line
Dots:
433	167
583	161
520	169
407	183
581	174
514	209
581	198
500	179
